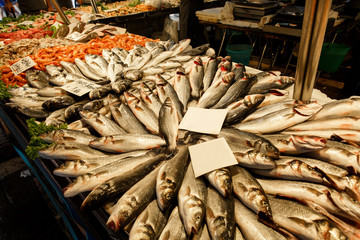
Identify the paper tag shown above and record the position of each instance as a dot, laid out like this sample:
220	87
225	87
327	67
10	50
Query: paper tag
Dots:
27	23
80	87
75	36
203	120
22	65
211	155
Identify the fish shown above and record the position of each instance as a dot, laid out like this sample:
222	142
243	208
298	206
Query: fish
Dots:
133	201
73	110
181	47
123	115
38	79
251	158
237	90
169	124
158	59
347	146
56	118
127	142
293	169
103	125
121	85
281	119
98	64
191	201
239	71
69	151
150	45
196	76
61	79
292	144
149	224
106	53
220	215
182	87
150	99
209	73
258	143
156	51
75	168
31	102
133	75
115	70
301	220
58	102
210	53
333	201
250	227
333	122
87	71
181	58
223	69
169	64
274	96
170	177
238	235
344	107
269	76
100	92
32	112
216	91
51	92
89	181
262	111
71	68
114	187
165	90
53	70
174	228
264	87
198	50
153	70
120	52
142	113
247	189
344	134
242	108
93	105
221	180
66	135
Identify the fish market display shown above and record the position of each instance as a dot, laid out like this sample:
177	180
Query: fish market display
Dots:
297	171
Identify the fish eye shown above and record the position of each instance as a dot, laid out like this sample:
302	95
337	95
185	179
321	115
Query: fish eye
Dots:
167	196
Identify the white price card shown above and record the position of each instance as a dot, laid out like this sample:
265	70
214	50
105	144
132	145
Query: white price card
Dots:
203	120
80	87
75	36
211	155
22	65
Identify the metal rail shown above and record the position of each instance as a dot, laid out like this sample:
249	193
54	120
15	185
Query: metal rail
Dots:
60	11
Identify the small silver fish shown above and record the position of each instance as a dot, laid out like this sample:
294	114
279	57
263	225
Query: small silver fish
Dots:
169	124
221	180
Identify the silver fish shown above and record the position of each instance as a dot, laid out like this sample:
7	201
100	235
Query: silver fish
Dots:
292	144
87	71
238	235
76	168
122	53
280	120
69	151
236	137
170	177
149	223
58	102
223	69
198	50
71	68
250	227
349	147
100	92
333	122
150	99
169	64
240	109
274	96
106	54
182	87
247	189
264	87
210	53
300	220
262	111
336	202
150	45
153	70
61	79
73	110
31	102
142	112
32	112
235	91
133	201
127	142
345	107
181	47
209	74
181	58
168	124
114	187
158	59
51	92
126	119
292	169
174	228
133	75
216	91
121	85
114	70
56	118
165	90
53	70
270	76
221	180
220	215
196	76
156	51
239	70
67	135
348	135
94	105
89	181
98	64
103	125
191	202
38	79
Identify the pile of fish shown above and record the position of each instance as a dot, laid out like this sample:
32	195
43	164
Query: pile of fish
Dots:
298	163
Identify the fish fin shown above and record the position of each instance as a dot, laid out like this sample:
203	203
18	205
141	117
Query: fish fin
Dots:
300	221
210	213
163	176
187	191
165	235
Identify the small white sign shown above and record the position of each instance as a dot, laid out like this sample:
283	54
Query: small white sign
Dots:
80	87
203	120
211	155
75	36
22	65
